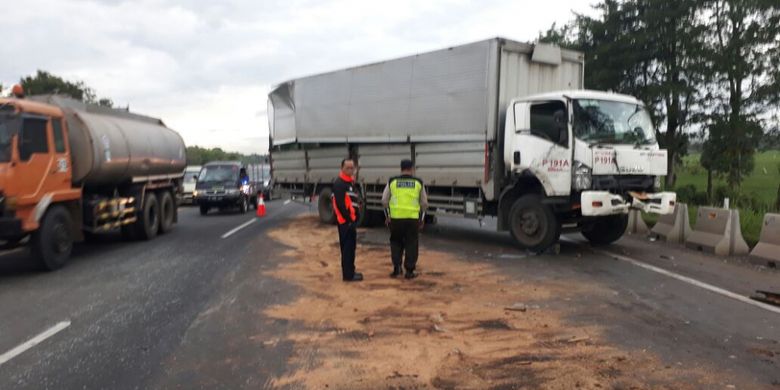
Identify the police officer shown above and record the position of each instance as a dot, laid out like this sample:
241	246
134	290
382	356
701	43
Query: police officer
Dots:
406	198
344	208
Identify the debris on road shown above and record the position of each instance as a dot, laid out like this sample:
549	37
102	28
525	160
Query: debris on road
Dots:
439	331
771	298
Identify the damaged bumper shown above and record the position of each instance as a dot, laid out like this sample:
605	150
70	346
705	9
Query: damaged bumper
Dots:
601	203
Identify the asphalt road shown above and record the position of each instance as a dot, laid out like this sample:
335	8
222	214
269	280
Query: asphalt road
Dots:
185	310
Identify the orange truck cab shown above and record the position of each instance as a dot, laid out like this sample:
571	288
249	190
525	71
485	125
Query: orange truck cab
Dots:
41	198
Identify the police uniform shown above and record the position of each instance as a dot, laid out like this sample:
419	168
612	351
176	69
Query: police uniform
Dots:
406	198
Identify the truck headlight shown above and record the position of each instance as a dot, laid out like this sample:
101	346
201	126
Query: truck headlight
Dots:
582	179
195	194
232	191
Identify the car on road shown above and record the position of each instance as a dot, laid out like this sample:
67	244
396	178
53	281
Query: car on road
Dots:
223	185
190	178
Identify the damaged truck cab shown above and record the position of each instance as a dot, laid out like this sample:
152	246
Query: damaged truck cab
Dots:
593	156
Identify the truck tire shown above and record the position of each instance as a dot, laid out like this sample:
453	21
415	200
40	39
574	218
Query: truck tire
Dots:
204	209
533	224
52	243
606	230
325	206
148	224
167	212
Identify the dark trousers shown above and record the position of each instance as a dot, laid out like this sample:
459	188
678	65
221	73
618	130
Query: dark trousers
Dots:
347	242
404	237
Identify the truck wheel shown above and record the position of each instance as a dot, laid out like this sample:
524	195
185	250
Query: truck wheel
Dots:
53	241
325	206
533	224
606	230
146	228
167	210
204	209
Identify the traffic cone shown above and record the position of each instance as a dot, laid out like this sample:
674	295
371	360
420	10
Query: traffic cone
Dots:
260	205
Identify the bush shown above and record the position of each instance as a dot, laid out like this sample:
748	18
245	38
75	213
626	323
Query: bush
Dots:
686	194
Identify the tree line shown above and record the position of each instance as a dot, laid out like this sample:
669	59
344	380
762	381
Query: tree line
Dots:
706	69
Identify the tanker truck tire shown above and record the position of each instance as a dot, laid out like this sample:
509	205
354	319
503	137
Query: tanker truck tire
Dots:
167	211
204	209
52	243
325	206
147	226
606	230
533	224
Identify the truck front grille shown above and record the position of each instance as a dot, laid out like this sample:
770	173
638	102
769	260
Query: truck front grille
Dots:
614	183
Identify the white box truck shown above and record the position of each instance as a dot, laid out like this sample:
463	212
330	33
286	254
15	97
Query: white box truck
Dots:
495	128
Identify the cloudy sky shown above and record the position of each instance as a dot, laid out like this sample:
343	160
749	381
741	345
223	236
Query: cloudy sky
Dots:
205	66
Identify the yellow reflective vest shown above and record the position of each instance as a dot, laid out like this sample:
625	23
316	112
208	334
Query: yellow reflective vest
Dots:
405	197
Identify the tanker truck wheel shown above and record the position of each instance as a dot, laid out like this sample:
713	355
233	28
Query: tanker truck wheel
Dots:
148	224
325	206
533	224
52	243
606	230
167	210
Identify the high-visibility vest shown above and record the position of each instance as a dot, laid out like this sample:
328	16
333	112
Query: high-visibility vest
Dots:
405	197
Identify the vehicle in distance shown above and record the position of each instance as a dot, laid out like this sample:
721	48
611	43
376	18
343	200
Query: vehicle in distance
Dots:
496	128
190	178
221	185
70	169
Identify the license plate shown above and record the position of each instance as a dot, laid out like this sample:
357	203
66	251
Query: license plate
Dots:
212	198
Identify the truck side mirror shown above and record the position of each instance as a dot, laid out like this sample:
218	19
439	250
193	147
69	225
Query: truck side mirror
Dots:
195	177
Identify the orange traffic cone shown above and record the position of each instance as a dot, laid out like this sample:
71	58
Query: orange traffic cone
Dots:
260	206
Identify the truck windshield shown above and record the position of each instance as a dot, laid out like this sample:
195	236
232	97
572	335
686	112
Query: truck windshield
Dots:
218	173
611	122
7	130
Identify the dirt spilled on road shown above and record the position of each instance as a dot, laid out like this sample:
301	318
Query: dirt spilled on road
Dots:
460	325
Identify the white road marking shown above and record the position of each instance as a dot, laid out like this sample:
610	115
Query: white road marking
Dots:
243	225
286	202
706	286
685	279
21	348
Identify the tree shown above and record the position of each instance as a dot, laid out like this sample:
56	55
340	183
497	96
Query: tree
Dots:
647	49
743	48
44	82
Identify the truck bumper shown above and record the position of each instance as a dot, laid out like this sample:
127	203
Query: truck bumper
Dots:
601	203
10	228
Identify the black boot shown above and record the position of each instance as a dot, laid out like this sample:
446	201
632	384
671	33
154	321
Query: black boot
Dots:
396	271
410	274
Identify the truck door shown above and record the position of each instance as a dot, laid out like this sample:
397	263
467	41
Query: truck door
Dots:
544	143
39	169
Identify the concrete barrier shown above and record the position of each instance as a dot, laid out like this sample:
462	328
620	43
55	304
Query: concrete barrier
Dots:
636	225
768	247
717	231
674	227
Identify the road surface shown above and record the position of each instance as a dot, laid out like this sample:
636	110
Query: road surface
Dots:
195	308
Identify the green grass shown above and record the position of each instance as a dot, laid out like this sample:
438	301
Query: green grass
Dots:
762	183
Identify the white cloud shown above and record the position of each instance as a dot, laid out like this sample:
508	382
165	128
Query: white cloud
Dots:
205	66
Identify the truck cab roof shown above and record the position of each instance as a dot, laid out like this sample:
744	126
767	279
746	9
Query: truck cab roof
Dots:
31	106
581	94
238	163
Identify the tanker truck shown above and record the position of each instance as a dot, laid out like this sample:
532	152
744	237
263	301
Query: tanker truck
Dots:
496	128
70	170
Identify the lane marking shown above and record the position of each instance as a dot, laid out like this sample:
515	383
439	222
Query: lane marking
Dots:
685	279
243	225
21	348
286	202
